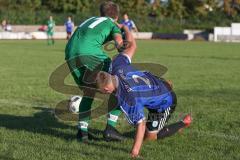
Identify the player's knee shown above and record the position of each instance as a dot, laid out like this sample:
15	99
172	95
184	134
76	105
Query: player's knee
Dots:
150	136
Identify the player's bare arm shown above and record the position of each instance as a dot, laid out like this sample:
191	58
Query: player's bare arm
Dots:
138	139
129	45
118	40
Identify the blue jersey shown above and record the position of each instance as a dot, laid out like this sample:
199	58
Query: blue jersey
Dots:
69	26
139	89
129	23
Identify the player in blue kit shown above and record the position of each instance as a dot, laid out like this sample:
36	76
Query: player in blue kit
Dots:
136	90
69	27
129	23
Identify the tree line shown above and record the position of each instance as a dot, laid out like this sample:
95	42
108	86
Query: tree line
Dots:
169	16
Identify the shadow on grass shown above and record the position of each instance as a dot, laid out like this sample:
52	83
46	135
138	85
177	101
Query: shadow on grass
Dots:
42	122
45	123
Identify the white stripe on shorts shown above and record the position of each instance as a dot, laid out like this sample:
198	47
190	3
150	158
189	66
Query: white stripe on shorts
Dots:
163	120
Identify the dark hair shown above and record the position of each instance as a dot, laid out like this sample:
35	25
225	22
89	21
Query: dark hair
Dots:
109	9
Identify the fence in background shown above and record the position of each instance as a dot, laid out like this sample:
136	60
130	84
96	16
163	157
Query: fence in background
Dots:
32	32
227	34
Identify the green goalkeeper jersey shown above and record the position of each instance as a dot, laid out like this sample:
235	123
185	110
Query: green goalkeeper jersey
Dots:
90	36
50	25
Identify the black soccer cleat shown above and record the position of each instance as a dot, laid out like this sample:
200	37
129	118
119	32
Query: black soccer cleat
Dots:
85	137
82	136
111	134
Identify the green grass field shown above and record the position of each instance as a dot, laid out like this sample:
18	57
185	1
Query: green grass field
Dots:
205	76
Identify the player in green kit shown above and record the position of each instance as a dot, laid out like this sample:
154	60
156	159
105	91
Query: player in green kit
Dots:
85	48
50	30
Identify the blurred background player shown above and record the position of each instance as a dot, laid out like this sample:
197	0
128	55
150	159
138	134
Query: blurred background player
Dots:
8	27
84	56
136	90
69	25
4	25
50	30
129	23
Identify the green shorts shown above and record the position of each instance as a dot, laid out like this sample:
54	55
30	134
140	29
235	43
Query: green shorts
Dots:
85	68
50	33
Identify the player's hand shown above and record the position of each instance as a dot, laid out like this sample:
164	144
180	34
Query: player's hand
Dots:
170	83
119	25
136	157
135	154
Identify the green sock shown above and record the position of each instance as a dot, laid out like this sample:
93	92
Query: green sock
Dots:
84	119
113	117
83	125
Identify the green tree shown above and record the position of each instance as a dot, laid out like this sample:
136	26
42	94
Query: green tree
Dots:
176	9
232	7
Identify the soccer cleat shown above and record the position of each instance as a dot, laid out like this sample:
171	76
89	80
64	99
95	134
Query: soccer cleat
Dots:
83	136
187	120
111	134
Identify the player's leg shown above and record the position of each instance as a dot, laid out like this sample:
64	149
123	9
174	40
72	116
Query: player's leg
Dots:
96	65
116	111
77	70
84	118
52	38
84	70
110	132
156	128
155	122
69	35
48	38
169	130
87	76
113	117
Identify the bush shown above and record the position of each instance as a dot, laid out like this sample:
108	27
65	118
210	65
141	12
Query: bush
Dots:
163	22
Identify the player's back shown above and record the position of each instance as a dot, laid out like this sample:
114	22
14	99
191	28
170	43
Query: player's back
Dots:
90	36
141	83
139	88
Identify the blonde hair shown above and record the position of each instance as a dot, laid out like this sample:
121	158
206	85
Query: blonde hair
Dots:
103	79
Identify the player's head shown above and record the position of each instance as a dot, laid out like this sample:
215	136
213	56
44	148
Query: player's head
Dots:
50	18
4	22
69	18
125	16
105	82
109	9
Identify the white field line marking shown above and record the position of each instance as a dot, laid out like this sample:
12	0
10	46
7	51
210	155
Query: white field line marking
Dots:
216	134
